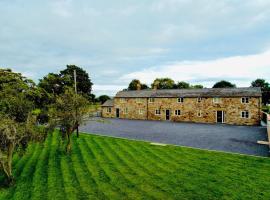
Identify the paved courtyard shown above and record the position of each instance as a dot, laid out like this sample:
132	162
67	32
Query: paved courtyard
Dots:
238	139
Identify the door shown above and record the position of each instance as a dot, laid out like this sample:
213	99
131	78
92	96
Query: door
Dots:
220	117
117	112
167	114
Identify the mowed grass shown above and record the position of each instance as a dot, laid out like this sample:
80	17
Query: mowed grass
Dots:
109	168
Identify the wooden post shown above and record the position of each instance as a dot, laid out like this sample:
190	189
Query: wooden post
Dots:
75	87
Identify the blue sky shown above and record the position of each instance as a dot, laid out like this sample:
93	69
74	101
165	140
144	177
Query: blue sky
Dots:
199	41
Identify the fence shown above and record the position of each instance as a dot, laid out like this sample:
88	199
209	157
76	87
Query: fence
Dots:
266	119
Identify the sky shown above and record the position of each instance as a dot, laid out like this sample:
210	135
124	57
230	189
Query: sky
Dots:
198	41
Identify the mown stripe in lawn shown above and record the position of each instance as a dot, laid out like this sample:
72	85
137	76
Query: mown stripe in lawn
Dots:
102	178
24	184
150	172
39	190
55	179
18	169
85	178
144	176
117	178
72	185
121	166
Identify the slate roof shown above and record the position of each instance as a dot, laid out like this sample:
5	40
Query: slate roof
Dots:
108	103
205	92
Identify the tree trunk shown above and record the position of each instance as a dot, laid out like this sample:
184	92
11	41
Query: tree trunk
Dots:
77	129
7	167
68	147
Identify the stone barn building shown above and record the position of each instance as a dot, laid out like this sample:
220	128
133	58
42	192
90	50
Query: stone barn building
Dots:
240	106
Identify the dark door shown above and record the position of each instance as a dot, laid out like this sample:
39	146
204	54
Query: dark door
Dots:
117	112
167	114
220	116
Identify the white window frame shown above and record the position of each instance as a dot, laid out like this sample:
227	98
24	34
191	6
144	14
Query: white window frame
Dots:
151	100
216	100
180	100
122	100
246	100
199	99
109	110
125	110
141	111
177	112
246	114
157	112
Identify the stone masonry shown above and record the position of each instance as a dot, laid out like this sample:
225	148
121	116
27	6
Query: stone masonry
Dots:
189	109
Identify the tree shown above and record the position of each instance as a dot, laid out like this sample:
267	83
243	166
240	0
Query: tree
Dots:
182	85
103	98
133	85
260	83
17	124
68	112
84	84
197	86
163	83
224	84
15	135
53	83
265	86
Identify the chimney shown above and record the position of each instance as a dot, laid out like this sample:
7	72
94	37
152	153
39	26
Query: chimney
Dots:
139	87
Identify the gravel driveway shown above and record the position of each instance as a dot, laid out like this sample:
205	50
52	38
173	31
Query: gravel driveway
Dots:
238	139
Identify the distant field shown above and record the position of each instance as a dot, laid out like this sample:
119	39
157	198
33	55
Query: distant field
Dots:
109	168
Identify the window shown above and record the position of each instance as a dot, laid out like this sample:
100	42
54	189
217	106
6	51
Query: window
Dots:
109	110
199	113
125	110
139	100
245	99
122	100
199	99
140	111
151	100
245	114
158	112
180	100
177	112
216	100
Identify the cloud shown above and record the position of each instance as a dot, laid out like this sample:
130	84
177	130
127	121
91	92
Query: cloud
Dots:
62	8
107	89
239	69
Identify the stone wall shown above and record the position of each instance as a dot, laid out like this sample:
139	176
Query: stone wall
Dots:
232	108
106	114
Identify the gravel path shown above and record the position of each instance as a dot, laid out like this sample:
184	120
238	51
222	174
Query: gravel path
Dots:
238	139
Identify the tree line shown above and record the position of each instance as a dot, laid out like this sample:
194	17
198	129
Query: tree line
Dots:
29	111
168	83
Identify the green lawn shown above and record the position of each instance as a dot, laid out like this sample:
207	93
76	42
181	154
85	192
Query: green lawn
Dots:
109	168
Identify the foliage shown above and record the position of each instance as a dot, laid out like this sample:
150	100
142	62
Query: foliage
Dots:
197	86
103	98
135	83
260	83
56	83
265	86
68	113
17	122
53	83
84	84
163	83
224	84
110	168
182	85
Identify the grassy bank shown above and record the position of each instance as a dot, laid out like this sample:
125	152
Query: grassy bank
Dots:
109	168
